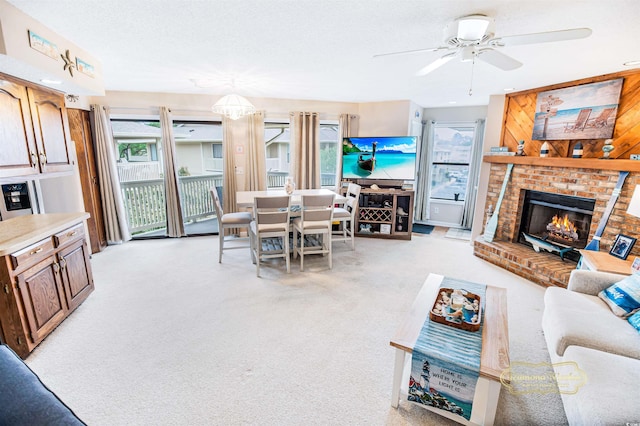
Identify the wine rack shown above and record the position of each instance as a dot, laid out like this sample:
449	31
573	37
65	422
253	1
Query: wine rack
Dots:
385	213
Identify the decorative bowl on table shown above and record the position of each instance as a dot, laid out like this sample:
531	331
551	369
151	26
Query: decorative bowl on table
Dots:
457	308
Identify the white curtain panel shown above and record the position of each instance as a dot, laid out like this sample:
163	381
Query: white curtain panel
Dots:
422	180
175	225
256	169
305	149
115	217
348	127
474	174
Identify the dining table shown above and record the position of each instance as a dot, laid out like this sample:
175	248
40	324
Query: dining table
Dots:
245	199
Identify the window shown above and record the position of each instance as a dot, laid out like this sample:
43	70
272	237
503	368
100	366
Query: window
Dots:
277	137
451	159
216	150
329	143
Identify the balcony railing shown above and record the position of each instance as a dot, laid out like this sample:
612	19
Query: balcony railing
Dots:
145	201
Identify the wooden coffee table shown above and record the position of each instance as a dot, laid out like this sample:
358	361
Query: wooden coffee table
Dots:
494	358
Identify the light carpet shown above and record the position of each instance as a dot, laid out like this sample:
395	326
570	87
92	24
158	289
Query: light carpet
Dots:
460	234
172	337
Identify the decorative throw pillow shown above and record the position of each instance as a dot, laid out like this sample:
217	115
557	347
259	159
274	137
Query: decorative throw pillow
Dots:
623	297
634	320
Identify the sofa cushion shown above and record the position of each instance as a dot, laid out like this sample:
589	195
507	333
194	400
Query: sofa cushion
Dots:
611	380
572	318
623	297
25	400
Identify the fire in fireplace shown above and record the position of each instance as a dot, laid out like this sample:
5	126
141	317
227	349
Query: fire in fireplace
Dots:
561	220
561	229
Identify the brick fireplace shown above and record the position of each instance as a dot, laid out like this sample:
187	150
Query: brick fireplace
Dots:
586	179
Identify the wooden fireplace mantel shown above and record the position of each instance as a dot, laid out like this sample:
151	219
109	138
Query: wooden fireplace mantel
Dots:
575	163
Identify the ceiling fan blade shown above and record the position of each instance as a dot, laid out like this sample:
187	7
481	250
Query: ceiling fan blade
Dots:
498	59
544	37
409	52
436	64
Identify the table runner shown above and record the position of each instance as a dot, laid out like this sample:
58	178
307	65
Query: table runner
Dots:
445	363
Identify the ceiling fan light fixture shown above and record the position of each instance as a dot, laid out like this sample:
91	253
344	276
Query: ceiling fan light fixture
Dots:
474	27
233	106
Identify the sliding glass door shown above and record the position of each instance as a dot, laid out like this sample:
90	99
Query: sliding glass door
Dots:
141	173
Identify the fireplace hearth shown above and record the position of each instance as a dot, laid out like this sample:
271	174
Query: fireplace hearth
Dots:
561	220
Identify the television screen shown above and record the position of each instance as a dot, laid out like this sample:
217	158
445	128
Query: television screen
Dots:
379	157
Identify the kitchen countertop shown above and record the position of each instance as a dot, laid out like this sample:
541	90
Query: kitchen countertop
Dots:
19	232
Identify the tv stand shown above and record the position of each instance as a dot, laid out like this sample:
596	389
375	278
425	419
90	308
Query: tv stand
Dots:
386	212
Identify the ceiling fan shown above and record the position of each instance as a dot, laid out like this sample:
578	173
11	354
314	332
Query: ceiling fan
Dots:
472	37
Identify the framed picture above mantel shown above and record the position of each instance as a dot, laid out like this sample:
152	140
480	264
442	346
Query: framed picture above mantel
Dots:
586	111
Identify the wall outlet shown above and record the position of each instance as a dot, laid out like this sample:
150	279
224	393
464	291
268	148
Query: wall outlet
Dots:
436	210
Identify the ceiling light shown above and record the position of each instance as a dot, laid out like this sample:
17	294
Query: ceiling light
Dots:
233	106
631	63
473	27
453	102
509	89
48	81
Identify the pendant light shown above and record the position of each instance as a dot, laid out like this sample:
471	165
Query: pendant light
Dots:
233	106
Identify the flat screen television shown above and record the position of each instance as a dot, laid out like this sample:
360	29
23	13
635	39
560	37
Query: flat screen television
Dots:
386	157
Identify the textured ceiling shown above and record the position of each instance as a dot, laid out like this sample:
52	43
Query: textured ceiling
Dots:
323	49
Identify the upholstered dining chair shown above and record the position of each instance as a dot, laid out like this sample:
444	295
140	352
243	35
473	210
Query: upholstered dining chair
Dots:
316	212
271	220
228	221
347	216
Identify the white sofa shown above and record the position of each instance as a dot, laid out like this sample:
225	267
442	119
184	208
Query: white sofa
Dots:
579	326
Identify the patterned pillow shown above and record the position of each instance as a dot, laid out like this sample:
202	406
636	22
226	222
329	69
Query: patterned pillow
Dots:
623	297
634	320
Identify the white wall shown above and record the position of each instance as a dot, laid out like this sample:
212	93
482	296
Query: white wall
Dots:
384	118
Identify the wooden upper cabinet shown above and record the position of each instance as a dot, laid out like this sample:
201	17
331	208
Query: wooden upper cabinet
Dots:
51	128
18	155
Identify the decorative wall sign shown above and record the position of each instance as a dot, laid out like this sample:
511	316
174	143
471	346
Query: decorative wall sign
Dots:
84	67
587	111
68	63
43	45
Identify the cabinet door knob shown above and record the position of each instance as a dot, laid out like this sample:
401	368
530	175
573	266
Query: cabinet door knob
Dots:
34	159
43	158
36	251
56	267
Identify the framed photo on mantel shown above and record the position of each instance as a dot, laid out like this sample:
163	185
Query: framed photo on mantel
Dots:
587	111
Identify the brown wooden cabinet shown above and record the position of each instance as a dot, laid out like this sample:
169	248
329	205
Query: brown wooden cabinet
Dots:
16	137
42	298
42	283
34	131
385	213
80	128
51	128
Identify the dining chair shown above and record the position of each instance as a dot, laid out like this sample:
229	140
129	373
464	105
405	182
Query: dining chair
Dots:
271	220
229	221
315	219
347	216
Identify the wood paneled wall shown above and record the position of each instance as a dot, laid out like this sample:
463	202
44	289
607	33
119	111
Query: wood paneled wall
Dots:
520	111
